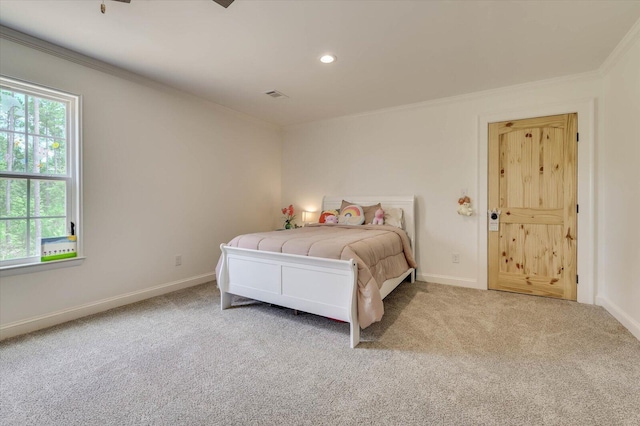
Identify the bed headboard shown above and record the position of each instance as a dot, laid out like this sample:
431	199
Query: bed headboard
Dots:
405	202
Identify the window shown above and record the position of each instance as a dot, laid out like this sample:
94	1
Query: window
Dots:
39	169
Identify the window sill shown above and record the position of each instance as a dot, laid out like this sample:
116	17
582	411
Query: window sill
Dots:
28	268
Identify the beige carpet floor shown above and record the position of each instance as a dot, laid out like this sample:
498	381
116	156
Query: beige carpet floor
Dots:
441	355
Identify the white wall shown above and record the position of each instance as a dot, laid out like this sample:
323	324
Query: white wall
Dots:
430	150
620	182
164	174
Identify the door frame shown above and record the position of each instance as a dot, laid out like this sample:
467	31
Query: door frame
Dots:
586	187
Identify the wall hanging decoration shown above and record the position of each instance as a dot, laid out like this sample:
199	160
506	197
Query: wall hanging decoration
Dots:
464	206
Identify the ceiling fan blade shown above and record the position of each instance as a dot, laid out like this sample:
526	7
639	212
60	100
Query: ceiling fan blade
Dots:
224	3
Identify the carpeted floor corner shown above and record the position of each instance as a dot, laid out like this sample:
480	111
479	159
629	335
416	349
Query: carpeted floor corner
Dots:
441	355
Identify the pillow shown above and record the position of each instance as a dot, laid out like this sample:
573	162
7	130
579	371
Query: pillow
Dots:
369	211
351	215
326	213
394	217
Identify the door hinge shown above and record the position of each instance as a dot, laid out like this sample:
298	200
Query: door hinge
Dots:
577	208
577	279
577	137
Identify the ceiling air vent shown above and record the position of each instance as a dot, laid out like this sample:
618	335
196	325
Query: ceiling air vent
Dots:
275	94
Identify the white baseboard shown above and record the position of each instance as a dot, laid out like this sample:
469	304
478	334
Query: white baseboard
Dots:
449	280
48	320
632	325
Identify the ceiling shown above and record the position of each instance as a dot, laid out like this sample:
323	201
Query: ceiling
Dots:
389	53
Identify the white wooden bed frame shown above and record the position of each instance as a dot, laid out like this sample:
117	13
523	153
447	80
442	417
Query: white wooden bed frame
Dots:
320	286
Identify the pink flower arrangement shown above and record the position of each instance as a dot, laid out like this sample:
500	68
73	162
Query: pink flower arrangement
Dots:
289	215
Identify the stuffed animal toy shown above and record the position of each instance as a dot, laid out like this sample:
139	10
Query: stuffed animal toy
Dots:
464	207
332	219
379	219
326	213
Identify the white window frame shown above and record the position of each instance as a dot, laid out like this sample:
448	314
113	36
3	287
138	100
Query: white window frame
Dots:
73	178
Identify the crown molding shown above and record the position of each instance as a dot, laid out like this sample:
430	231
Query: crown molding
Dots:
589	75
69	55
632	37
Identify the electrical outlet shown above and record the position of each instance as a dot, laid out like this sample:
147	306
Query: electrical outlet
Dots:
455	257
178	259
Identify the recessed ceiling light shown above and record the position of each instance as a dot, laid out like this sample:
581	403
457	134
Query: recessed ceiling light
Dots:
327	59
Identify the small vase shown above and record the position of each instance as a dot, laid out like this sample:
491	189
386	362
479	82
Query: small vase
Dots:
287	225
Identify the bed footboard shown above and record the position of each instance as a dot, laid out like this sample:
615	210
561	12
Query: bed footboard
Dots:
325	287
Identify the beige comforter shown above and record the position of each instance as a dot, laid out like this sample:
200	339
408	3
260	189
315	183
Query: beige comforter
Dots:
381	252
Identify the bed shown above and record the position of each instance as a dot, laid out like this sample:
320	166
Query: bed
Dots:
318	285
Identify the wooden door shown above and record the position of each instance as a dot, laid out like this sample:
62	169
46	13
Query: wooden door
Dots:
533	181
